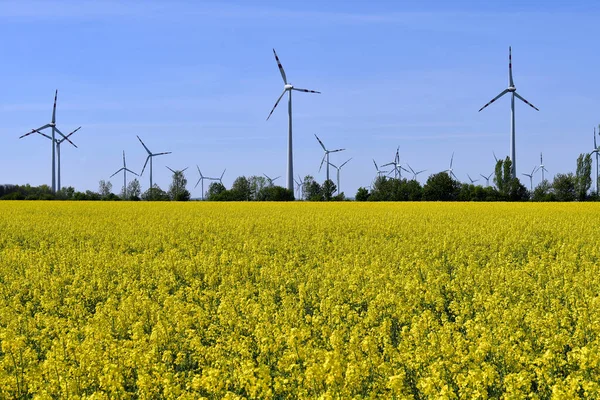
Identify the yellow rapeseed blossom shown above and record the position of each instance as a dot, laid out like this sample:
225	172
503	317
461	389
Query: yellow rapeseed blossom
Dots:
304	300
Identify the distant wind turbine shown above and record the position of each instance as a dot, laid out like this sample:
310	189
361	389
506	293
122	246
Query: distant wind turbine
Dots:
287	87
125	170
542	167
415	173
150	157
338	172
58	143
54	129
396	164
596	150
326	156
513	91
379	172
201	179
471	179
487	178
531	177
271	180
220	179
450	171
298	187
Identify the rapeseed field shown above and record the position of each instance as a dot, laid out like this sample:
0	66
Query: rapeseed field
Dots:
306	300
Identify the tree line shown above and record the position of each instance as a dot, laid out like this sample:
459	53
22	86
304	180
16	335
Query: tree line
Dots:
439	187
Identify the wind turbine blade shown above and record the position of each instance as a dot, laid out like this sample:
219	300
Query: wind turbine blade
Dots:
495	158
525	101
333	165
277	102
148	150
377	168
305	90
128	170
385	165
335	151
124	165
411	170
54	108
62	140
147	158
44	135
276	178
402	168
64	137
345	162
197	183
495	98
116	172
451	160
321	143
170	169
510	77
322	161
162	154
224	174
199	172
280	67
38	130
183	170
483	176
595	146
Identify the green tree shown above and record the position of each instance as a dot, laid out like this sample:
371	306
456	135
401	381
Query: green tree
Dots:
242	189
104	189
362	194
328	189
155	194
134	190
311	190
564	187
583	175
441	187
543	192
177	189
214	190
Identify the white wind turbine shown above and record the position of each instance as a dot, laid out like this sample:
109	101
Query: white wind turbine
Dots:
487	178
379	172
513	91
596	150
326	156
450	171
338	173
201	179
125	170
396	164
271	180
471	179
54	129
288	87
542	167
150	157
530	176
58	143
298	187
415	174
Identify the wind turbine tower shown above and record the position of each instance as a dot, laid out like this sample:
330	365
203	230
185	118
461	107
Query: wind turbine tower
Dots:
513	91
396	164
58	143
596	150
288	87
338	173
150	157
201	179
450	171
542	167
530	176
125	170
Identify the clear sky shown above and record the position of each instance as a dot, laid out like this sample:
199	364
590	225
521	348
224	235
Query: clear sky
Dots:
198	78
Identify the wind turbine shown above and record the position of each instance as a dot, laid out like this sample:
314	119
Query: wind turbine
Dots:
58	143
379	172
298	186
221	178
541	167
487	178
338	173
449	170
271	180
513	91
596	150
201	179
54	129
288	87
176	170
396	163
415	173
150	157
472	180
531	177
125	170
326	155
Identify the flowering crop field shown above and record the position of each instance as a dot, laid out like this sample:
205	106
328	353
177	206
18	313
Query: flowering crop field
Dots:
304	300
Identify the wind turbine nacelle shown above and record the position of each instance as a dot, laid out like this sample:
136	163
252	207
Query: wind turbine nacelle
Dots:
512	89
287	86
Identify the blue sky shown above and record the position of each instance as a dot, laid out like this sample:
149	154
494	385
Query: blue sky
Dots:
198	78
